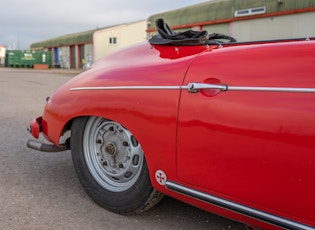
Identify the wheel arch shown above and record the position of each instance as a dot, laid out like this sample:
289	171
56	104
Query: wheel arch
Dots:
95	133
67	126
139	135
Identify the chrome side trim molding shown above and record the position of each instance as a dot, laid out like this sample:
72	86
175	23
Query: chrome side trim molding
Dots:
128	88
272	89
235	207
195	87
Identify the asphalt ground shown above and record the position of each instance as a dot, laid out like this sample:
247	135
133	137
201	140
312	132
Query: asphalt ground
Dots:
41	190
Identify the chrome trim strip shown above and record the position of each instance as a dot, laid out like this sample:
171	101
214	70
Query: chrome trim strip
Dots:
272	89
235	207
195	87
128	88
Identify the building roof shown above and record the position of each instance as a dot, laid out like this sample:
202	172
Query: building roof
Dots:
72	39
216	10
66	40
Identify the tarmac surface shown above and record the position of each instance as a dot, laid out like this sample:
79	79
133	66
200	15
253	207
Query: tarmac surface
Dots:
41	190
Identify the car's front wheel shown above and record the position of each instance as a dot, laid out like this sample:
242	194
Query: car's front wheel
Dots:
111	166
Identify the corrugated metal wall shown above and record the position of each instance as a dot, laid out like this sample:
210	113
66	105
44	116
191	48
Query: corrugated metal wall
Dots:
64	57
286	26
223	9
211	10
273	5
223	28
88	55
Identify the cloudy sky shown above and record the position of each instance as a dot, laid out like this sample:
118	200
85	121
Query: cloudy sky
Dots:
23	22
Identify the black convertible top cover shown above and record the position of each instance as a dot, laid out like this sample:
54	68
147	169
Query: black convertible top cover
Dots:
167	36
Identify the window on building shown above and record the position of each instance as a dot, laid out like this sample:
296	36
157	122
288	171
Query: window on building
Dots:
252	11
112	40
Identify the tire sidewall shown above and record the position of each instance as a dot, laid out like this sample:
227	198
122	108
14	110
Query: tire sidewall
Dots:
129	201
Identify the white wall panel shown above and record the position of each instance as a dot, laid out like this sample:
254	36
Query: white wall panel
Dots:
288	26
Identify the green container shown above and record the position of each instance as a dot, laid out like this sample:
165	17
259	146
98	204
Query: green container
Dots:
12	58
27	59
44	58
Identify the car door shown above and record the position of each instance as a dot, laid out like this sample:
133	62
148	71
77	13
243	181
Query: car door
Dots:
251	139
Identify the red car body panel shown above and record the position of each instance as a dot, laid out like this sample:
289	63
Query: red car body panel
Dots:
253	148
261	144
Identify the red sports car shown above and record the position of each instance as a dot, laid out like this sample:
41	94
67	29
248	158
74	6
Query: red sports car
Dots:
227	127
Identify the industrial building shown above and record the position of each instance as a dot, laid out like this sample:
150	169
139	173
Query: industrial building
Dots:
80	50
245	20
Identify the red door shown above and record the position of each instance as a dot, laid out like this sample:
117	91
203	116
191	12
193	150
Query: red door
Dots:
251	147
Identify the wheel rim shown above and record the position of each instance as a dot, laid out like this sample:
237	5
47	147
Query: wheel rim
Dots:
113	155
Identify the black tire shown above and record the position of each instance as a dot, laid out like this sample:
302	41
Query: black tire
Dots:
111	166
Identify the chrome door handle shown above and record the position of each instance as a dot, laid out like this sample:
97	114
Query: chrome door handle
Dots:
195	87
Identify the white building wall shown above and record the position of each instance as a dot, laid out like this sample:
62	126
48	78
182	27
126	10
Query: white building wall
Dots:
287	26
2	55
108	40
223	28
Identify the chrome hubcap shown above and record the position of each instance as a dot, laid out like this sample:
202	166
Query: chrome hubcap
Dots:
113	155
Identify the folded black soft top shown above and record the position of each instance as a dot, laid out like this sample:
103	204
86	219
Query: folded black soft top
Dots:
167	36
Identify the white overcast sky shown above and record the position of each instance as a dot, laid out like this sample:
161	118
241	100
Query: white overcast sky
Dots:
23	22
